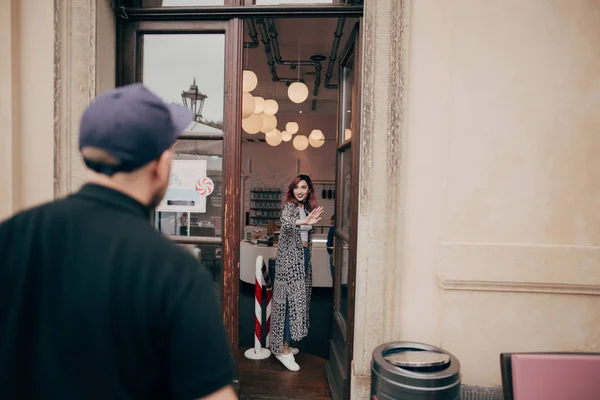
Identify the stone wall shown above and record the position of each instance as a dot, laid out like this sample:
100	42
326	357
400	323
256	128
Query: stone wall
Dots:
26	104
494	241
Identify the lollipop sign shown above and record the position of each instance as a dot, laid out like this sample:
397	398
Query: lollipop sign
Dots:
188	187
205	186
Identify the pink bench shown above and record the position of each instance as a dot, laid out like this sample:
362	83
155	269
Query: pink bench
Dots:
550	376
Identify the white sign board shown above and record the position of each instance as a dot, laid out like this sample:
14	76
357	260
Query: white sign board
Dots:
188	187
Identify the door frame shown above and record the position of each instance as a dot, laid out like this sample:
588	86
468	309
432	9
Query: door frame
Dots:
338	367
230	20
129	70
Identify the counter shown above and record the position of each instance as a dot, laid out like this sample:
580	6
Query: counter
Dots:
320	260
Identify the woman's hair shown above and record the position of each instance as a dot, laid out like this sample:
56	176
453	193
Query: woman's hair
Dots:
311	199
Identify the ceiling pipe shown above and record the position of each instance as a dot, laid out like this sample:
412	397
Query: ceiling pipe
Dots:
253	43
264	38
273	36
339	32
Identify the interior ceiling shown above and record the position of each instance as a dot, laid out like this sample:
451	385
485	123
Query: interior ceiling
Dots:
298	39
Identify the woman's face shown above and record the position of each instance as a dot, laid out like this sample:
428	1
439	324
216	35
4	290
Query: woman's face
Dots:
301	191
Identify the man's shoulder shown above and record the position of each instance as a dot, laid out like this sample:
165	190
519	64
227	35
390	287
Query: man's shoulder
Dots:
34	212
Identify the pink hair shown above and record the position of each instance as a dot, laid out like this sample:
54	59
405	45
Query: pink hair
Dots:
311	199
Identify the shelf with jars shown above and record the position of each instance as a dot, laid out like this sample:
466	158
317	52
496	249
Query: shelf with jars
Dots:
265	205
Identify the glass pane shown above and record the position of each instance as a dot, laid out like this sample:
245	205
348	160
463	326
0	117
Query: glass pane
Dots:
346	184
181	3
193	204
208	221
342	256
346	103
177	63
277	2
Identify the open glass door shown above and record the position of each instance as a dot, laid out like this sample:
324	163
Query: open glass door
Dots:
195	63
340	353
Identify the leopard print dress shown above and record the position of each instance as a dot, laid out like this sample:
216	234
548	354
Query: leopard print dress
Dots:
291	283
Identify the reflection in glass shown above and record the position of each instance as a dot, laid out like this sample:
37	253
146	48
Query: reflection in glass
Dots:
346	183
181	3
170	64
198	224
346	102
343	290
209	223
277	2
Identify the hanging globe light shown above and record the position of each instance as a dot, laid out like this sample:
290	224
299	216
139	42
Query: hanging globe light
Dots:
292	127
316	138
249	81
300	142
247	105
273	138
316	134
271	107
298	92
269	123
252	124
259	105
286	136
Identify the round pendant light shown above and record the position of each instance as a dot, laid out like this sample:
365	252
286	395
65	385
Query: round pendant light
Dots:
273	138
259	105
249	81
286	136
292	127
269	123
298	92
316	138
347	134
300	142
247	105
271	107
252	124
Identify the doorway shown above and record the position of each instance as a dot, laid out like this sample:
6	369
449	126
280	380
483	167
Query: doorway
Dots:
193	59
300	91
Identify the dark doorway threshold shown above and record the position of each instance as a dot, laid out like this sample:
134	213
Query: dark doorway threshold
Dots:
269	380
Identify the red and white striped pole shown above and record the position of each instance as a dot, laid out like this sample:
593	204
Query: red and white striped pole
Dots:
258	352
269	298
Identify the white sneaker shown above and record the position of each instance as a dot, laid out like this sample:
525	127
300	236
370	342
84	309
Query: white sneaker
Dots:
294	350
288	361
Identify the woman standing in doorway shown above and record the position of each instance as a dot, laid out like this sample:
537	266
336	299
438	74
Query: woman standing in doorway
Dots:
293	271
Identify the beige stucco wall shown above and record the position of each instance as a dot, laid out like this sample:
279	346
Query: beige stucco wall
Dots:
26	104
501	225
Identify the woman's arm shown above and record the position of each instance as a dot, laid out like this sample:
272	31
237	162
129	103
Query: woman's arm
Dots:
288	217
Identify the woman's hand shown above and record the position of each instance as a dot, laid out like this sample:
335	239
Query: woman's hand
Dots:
314	216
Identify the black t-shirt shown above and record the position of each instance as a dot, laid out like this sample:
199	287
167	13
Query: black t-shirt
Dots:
96	304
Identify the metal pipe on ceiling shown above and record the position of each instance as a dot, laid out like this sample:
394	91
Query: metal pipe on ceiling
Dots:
276	55
253	43
264	38
273	36
339	32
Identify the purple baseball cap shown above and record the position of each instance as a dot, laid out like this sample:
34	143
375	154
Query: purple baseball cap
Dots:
132	124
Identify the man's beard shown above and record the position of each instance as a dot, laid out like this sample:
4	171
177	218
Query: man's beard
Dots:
157	197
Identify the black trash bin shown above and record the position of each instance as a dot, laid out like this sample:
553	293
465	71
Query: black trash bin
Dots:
414	371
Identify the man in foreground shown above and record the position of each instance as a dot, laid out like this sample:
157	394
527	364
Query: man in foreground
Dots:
94	302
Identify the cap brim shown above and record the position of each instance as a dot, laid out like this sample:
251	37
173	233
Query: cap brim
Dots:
181	117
